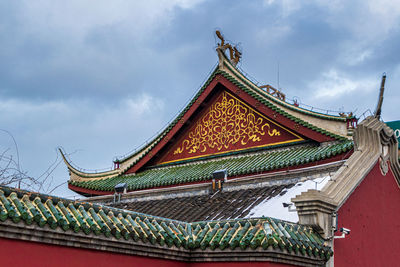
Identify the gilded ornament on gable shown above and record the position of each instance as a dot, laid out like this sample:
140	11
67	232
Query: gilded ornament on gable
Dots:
227	123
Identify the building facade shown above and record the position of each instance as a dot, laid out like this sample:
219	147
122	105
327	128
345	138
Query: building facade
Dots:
240	176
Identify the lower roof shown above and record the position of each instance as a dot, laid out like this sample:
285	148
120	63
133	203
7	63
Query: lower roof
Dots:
248	202
201	170
71	217
219	206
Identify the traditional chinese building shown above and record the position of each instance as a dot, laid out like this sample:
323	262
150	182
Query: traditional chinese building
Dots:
239	176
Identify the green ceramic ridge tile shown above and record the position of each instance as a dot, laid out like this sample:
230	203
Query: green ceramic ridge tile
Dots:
175	121
280	111
250	84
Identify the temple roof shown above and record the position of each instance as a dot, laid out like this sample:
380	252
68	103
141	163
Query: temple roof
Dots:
62	215
236	164
291	125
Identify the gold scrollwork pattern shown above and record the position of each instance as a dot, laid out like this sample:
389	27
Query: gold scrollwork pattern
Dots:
227	123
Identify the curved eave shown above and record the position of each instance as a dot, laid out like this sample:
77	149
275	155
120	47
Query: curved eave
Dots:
130	160
327	124
88	192
330	123
92	190
77	175
225	62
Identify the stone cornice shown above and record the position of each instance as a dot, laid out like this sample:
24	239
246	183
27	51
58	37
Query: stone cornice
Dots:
373	141
370	139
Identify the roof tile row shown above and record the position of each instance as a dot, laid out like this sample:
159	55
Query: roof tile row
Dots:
66	215
202	170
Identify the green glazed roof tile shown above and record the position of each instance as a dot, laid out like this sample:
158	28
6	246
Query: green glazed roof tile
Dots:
197	171
66	215
255	92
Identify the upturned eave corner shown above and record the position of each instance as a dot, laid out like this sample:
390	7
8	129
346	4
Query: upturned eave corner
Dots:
374	142
309	125
77	175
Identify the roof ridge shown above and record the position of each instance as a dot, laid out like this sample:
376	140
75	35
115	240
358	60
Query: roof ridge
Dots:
279	110
238	80
178	117
234	69
157	139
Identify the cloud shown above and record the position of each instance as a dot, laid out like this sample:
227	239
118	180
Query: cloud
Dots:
78	125
67	46
365	24
102	78
83	115
287	7
353	57
385	13
76	18
334	84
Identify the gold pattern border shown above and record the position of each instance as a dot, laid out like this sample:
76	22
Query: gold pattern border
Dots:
228	122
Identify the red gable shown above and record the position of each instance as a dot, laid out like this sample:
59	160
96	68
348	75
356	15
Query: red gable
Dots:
289	130
227	125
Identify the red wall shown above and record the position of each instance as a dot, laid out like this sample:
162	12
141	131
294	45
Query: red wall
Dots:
26	253
372	213
238	264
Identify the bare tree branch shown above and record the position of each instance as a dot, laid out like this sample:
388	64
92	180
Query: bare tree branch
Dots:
11	173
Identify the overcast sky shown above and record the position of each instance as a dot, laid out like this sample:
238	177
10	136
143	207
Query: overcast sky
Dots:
99	78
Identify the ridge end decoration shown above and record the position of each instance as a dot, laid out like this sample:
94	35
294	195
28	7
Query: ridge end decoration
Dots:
234	53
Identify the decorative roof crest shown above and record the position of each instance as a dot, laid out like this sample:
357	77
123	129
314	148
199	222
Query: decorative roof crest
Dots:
378	110
234	53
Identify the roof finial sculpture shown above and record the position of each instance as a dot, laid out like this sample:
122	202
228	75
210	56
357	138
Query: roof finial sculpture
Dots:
378	109
234	53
